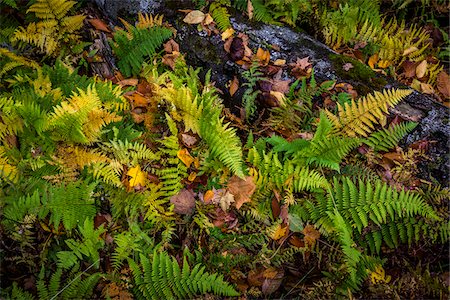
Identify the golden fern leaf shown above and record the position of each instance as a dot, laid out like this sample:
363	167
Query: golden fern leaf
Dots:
7	171
10	121
16	60
146	20
72	23
98	118
181	98
51	9
76	157
109	173
433	72
359	118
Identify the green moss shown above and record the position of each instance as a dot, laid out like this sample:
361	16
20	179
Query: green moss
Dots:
366	78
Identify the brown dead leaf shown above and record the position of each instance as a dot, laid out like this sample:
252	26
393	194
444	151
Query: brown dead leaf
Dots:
184	202
185	157
272	283
302	67
194	17
256	277
426	88
170	59
409	68
171	46
234	85
281	86
296	241
99	25
311	235
421	69
128	82
242	189
443	84
209	195
188	140
276	209
137	99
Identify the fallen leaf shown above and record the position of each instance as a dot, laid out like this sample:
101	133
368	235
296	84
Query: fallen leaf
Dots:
443	84
188	140
279	96
137	100
250	9
311	235
234	85
192	176
128	82
225	200
272	284
227	33
184	202
242	189
421	69
256	277
279	232
279	62
373	60
194	17
263	56
409	50
383	64
347	66
137	176
276	209
185	157
426	88
209	195
409	68
296	241
99	25
171	46
302	67
208	19
170	59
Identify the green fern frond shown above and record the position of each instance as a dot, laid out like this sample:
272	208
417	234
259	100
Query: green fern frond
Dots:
386	139
359	118
162	278
220	15
132	48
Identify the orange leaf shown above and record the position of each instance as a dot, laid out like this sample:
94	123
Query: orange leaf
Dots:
234	85
373	60
192	176
242	189
209	195
128	82
99	25
263	56
279	62
185	157
311	235
227	33
421	69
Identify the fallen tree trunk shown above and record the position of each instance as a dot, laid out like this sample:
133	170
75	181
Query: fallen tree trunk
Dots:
207	51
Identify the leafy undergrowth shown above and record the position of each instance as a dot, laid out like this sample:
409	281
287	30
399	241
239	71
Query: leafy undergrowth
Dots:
147	187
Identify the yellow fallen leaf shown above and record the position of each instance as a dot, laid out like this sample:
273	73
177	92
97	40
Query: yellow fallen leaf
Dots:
421	69
279	62
208	19
192	176
194	17
185	157
410	50
227	33
279	232
137	176
249	9
373	60
280	96
426	88
379	275
209	195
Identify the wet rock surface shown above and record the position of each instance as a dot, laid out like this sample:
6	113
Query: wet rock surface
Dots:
207	51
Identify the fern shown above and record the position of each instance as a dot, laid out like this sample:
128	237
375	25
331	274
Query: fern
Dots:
86	249
386	139
134	46
54	27
220	15
162	278
71	204
359	118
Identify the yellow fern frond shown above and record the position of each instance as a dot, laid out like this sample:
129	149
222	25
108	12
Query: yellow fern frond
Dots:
433	72
16	61
75	157
184	102
51	9
146	20
98	118
72	23
359	118
8	171
109	173
10	121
